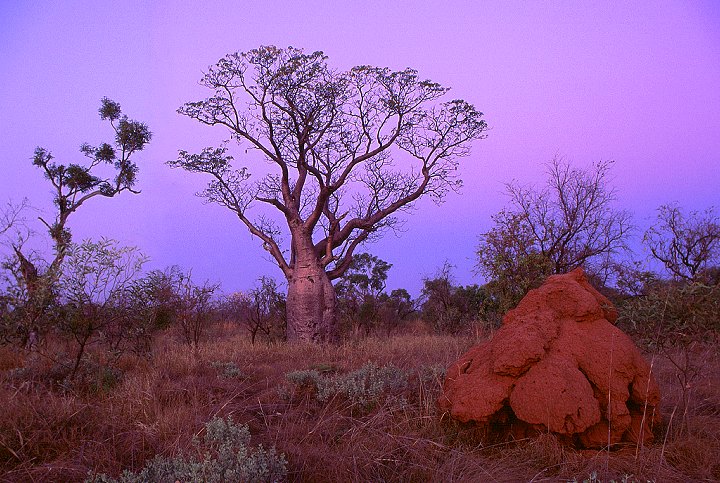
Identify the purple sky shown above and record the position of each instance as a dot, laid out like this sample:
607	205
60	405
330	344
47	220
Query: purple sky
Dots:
636	82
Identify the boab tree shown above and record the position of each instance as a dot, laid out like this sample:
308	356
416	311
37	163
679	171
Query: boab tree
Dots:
334	140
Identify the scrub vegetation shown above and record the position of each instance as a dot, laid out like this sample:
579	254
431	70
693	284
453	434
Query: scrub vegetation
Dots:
320	413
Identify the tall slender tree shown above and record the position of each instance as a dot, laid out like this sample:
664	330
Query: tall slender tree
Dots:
348	151
73	185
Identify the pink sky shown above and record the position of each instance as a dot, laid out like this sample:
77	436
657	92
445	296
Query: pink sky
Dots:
636	82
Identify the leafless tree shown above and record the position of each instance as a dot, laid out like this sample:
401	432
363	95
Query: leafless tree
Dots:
195	308
570	222
11	215
573	220
334	142
687	245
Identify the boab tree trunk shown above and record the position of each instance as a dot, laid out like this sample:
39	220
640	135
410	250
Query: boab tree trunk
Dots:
310	304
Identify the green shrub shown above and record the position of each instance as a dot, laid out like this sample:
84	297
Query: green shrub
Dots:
673	314
226	456
363	387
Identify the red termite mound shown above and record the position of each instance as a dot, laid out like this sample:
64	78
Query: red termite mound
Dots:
557	364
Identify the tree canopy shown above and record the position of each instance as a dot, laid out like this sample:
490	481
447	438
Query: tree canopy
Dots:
323	130
348	151
74	184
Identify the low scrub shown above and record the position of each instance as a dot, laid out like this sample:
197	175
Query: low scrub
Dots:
220	411
224	455
363	387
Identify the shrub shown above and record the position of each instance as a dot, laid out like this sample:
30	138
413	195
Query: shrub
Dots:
226	456
363	387
432	374
674	313
229	370
675	319
452	309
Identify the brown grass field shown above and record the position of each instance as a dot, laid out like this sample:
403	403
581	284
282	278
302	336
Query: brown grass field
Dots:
160	403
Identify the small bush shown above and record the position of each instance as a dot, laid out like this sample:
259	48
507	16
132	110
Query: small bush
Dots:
672	314
226	456
362	387
92	377
228	370
593	478
432	374
107	378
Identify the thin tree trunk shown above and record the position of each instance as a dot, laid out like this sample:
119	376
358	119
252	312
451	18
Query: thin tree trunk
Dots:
80	351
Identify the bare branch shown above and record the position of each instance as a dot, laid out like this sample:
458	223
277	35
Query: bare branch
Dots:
571	222
11	215
685	244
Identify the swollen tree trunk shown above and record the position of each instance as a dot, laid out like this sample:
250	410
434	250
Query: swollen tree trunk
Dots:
310	303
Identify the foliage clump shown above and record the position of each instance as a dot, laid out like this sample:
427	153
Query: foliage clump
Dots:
228	370
455	309
363	303
225	455
674	313
363	387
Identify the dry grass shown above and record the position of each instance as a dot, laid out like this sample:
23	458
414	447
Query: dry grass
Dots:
159	405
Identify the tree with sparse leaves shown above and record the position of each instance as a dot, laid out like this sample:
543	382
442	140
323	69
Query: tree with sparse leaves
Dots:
151	304
571	222
396	309
359	291
348	152
196	306
73	185
686	244
451	308
267	310
510	259
92	288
